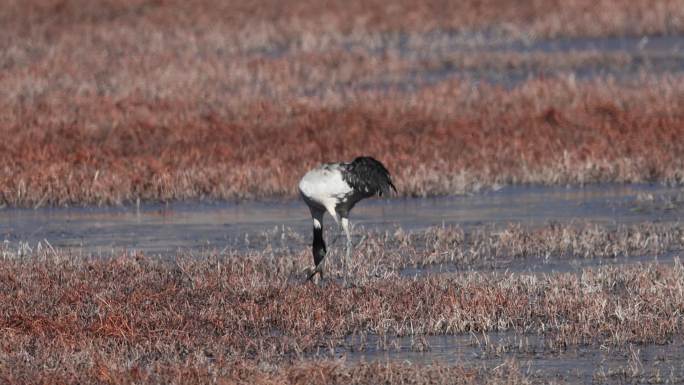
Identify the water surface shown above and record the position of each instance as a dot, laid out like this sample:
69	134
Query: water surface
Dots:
533	354
166	229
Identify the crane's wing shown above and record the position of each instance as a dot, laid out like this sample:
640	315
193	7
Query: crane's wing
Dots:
368	176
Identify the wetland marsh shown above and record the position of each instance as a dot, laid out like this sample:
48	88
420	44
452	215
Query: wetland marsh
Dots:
150	153
527	284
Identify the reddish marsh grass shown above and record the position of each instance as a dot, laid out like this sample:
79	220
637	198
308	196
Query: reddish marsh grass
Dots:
250	318
445	139
119	101
132	317
310	373
306	21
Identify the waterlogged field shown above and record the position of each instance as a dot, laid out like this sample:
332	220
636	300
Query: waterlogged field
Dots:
126	125
251	318
531	298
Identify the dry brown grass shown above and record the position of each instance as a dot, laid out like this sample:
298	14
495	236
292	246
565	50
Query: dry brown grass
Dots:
250	319
308	22
452	245
112	102
310	373
554	131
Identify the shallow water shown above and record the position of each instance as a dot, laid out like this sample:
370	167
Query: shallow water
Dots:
630	44
639	55
168	229
576	364
439	41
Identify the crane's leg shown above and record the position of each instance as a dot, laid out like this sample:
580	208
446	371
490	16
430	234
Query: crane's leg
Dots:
347	232
318	245
340	220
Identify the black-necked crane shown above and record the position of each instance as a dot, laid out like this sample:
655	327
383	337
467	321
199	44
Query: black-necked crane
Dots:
336	188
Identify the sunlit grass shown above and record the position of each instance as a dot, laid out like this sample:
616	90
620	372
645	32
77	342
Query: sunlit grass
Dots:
228	316
445	139
223	100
